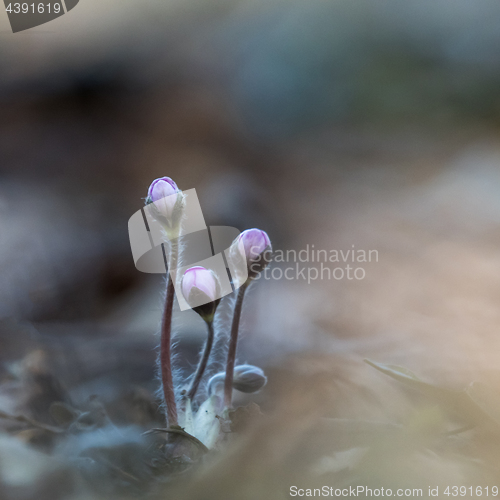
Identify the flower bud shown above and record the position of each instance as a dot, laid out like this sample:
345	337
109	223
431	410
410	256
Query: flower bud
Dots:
166	202
201	289
254	247
247	378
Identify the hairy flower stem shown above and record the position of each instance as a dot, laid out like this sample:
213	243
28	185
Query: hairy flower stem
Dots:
233	342
165	342
202	365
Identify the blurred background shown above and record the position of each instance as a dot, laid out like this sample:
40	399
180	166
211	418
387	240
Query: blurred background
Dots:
341	123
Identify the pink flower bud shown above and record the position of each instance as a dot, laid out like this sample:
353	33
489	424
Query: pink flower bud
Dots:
201	290
164	193
199	279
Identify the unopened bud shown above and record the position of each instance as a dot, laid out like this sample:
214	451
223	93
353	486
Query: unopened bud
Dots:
165	201
201	290
247	378
252	246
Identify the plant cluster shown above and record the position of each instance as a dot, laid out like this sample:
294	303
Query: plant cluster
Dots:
250	253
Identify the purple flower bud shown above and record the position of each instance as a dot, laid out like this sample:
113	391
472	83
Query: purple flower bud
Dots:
164	193
253	242
164	186
201	290
251	250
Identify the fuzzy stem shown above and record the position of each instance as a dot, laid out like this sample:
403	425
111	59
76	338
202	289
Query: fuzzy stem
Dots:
202	365
231	354
165	343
